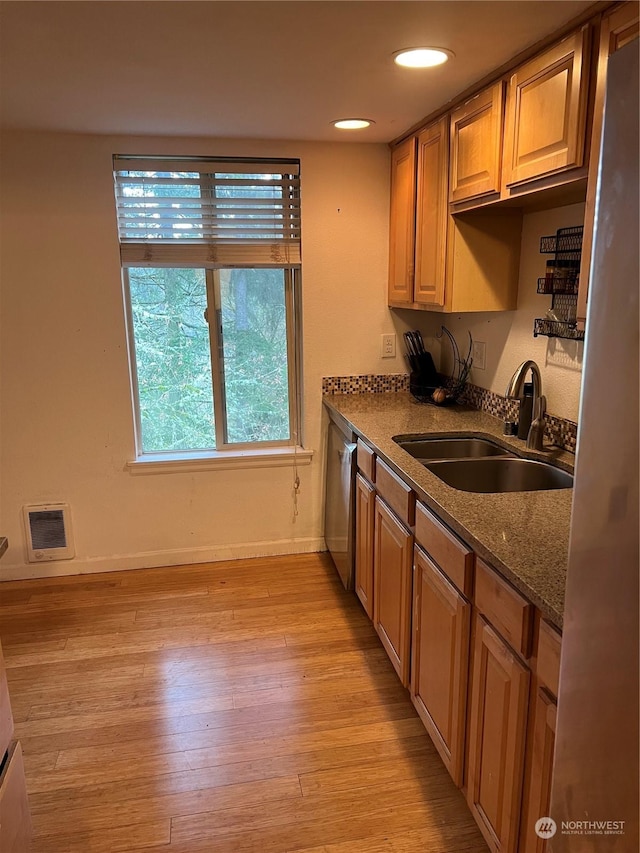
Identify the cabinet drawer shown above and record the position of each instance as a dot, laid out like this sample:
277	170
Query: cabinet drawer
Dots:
15	823
366	461
452	556
506	609
396	493
6	720
548	666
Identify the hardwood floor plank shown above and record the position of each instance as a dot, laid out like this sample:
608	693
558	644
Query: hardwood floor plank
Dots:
119	770
286	745
116	839
52	724
42	762
62	625
383	770
152	809
312	689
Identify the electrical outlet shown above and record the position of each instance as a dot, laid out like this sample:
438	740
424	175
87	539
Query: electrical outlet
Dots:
389	346
479	355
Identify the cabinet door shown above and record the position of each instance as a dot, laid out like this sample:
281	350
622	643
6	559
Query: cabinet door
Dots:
440	660
476	145
537	798
365	504
392	587
431	214
618	29
497	734
402	221
547	110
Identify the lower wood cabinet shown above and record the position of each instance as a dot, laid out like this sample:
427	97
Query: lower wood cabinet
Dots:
539	772
440	660
481	663
393	553
497	736
365	505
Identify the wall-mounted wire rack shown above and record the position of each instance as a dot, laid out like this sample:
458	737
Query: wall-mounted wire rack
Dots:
562	283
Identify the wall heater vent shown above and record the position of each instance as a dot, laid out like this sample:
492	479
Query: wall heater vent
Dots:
48	532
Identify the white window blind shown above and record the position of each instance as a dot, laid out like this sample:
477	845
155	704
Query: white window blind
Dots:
207	213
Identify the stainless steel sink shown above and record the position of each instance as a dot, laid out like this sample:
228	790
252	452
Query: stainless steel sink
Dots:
500	475
463	447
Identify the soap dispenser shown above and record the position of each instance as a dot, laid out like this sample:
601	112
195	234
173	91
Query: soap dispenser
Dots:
526	411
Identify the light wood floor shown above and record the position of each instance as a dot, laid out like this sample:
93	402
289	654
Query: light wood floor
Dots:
240	707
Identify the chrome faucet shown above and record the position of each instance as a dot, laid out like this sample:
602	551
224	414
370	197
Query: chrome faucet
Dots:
515	391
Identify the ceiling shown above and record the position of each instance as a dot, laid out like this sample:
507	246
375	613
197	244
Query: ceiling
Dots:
270	70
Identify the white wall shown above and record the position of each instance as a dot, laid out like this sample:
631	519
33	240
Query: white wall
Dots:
66	413
509	335
65	407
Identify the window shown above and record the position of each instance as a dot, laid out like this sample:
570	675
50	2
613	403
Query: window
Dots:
211	265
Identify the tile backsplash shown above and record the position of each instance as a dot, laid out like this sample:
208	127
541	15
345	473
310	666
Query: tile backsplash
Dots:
559	431
369	384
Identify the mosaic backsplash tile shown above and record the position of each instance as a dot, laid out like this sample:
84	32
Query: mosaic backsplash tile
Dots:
558	431
369	384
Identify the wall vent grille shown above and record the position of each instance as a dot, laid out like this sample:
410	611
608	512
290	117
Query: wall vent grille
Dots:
48	532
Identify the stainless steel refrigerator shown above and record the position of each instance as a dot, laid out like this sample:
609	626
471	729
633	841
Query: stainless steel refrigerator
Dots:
595	783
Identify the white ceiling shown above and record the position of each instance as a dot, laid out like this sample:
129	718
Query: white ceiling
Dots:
279	70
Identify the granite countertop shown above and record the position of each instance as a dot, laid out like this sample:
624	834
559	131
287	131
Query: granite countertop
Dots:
524	535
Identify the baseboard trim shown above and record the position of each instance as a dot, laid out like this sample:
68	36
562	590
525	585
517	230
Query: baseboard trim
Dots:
159	559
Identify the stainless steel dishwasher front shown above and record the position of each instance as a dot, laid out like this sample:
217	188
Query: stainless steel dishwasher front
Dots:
339	508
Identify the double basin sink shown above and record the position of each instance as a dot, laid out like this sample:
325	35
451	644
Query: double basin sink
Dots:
474	464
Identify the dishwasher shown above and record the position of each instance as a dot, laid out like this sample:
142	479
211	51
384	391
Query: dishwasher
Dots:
340	502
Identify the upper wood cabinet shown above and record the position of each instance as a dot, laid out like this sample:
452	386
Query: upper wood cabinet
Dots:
431	214
476	145
619	28
546	117
402	221
462	263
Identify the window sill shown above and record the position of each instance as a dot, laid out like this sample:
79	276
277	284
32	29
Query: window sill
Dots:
185	463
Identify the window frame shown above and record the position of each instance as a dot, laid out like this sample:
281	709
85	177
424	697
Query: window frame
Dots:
292	289
275	243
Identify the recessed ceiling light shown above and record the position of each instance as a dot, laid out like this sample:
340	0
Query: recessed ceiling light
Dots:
353	123
421	57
